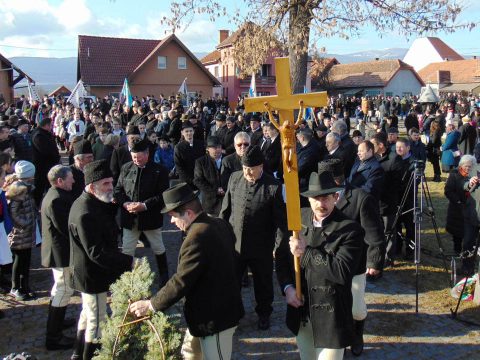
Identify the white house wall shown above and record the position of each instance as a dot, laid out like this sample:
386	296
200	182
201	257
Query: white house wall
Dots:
403	82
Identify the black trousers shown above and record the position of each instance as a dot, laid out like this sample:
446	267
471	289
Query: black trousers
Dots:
435	160
20	268
407	221
262	272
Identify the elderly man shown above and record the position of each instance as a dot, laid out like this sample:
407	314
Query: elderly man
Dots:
206	267
121	155
96	262
56	252
329	248
349	148
82	155
233	162
139	194
254	206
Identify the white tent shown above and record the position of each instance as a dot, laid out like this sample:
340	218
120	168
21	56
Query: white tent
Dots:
428	96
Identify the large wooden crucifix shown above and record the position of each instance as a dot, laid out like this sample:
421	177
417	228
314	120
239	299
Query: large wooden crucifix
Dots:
285	103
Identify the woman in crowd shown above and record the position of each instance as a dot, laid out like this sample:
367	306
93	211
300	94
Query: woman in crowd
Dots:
433	149
462	219
450	152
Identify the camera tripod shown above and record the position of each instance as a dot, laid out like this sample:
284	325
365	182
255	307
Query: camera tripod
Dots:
422	205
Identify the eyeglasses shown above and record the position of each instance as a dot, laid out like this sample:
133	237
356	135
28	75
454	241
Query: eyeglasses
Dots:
242	144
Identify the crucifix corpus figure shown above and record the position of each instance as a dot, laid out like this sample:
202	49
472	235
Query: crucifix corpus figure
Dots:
287	135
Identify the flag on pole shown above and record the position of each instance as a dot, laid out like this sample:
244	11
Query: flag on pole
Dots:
125	95
78	94
184	91
252	91
308	111
32	93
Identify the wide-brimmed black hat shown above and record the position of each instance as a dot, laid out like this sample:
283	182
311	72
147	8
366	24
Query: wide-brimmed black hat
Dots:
178	195
220	117
321	184
213	141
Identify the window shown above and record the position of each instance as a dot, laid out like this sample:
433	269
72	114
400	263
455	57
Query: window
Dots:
389	93
162	62
266	70
215	71
372	92
182	62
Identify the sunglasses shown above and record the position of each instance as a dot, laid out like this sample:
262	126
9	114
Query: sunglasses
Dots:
242	144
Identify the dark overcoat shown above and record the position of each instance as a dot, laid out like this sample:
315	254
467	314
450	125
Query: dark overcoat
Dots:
457	203
367	176
95	259
45	151
144	185
79	184
120	157
273	156
207	180
328	266
230	164
55	242
184	156
205	277
390	195
256	212
360	206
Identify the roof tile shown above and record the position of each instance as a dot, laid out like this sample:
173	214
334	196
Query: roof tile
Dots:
461	71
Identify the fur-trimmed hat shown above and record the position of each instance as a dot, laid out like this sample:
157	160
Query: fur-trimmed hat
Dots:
96	170
253	157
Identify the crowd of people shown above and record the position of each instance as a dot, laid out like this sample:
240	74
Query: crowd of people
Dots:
354	169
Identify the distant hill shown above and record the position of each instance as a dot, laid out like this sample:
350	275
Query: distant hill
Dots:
50	73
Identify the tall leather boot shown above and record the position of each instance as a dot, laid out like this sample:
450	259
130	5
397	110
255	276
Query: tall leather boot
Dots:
89	350
162	268
357	345
55	339
78	346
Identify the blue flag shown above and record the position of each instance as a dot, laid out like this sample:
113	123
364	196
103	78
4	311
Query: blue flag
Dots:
125	95
308	111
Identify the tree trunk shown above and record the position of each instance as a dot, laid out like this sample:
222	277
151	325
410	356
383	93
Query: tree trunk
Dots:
298	38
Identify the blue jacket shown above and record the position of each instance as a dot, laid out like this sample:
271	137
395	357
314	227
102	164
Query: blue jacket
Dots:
165	158
449	147
369	177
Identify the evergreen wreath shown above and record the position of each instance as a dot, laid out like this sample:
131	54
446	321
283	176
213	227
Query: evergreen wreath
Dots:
153	337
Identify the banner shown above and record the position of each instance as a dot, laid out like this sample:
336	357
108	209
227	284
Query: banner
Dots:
125	95
78	95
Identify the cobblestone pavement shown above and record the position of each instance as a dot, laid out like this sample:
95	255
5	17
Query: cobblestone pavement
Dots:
393	331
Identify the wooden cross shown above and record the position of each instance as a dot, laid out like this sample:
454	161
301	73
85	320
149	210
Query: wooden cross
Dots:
285	103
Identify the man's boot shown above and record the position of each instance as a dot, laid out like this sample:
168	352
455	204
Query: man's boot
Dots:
162	268
89	350
357	345
78	346
55	339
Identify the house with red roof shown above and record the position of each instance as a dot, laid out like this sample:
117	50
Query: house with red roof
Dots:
10	75
221	64
371	78
152	67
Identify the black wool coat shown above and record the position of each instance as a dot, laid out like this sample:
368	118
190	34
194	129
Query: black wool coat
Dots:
328	266
256	212
207	180
228	143
273	156
230	164
79	184
457	203
95	260
144	185
362	207
256	137
390	195
55	241
120	157
45	151
184	156
206	278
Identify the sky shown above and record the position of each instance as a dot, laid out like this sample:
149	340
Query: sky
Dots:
50	28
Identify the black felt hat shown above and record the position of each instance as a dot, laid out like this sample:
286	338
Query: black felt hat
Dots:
139	145
187	125
253	157
220	117
82	147
335	166
96	170
178	195
321	184
213	141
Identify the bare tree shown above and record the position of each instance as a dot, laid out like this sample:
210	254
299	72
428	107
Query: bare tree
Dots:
298	23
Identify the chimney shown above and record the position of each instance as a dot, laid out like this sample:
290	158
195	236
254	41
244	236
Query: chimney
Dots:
474	57
376	59
223	34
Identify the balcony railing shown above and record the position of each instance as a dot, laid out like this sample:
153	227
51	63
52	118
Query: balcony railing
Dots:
259	80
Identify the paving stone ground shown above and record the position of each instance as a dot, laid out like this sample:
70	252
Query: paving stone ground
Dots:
398	333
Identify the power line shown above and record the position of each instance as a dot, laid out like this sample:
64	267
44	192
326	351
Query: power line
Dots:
33	48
